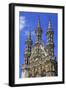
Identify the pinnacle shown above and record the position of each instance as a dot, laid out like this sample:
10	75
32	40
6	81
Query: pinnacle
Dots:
49	25
38	22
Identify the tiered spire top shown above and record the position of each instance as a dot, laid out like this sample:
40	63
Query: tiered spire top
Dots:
49	25
38	31
29	35
29	40
38	22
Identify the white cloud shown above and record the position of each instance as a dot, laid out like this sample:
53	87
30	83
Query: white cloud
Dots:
22	22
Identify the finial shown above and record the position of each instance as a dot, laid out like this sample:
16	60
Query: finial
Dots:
38	22
49	25
29	35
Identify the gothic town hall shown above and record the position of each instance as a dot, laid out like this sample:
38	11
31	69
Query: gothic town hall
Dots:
39	60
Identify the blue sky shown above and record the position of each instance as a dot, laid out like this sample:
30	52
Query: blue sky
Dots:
28	22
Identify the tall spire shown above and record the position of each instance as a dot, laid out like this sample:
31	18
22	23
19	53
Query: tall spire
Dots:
38	32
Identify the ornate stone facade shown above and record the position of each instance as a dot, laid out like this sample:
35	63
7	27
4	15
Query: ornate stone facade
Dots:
40	60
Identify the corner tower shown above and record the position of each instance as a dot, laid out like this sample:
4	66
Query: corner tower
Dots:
50	42
51	63
27	53
28	47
